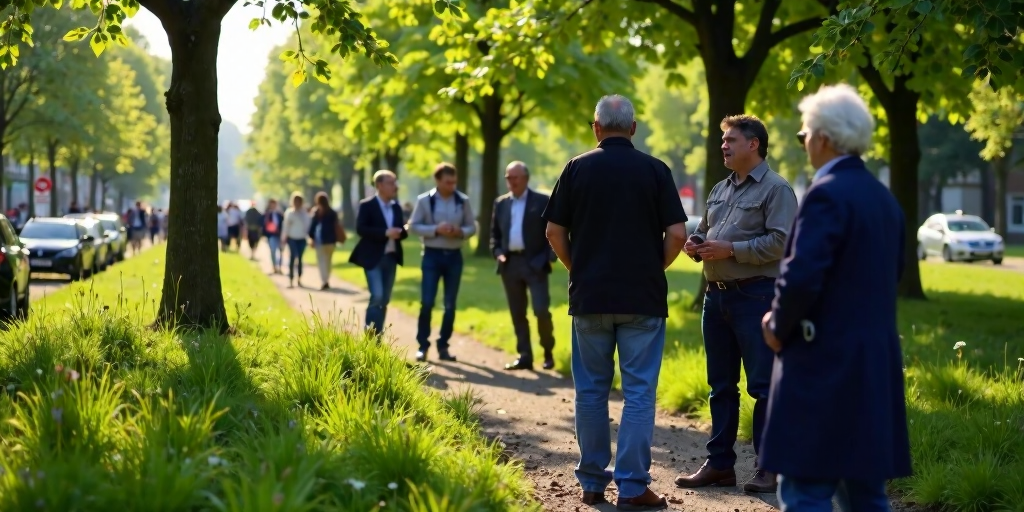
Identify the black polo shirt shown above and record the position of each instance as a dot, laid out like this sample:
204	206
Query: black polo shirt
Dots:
616	202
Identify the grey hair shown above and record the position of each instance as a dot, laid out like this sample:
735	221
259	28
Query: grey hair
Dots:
840	114
379	176
614	113
520	164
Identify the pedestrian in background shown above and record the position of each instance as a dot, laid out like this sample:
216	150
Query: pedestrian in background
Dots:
325	230
296	229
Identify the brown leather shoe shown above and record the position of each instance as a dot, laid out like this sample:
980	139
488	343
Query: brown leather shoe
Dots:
646	501
593	498
762	481
706	476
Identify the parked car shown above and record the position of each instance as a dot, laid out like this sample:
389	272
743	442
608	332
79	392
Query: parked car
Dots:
117	234
959	237
15	274
104	256
691	225
60	246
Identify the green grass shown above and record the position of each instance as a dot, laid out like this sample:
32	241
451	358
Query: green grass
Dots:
100	412
967	413
1014	251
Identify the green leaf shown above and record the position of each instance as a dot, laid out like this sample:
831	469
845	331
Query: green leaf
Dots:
972	51
96	43
867	28
76	34
440	6
923	7
298	77
254	24
898	4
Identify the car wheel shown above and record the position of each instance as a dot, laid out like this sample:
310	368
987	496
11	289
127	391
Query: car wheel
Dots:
921	255
947	253
997	261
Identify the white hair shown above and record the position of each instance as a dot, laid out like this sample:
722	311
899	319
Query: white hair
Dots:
840	114
614	113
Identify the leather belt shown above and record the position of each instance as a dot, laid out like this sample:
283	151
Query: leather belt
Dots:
515	253
725	285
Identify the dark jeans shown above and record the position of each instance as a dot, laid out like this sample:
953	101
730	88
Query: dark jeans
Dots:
296	246
380	280
437	265
802	495
517	276
732	334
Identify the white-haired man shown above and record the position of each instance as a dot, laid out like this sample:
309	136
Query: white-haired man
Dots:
618	296
839	368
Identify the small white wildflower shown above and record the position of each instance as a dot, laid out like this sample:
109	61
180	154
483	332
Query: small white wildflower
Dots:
999	423
39	371
10	387
1021	359
116	457
959	391
959	345
393	486
214	460
356	484
382	504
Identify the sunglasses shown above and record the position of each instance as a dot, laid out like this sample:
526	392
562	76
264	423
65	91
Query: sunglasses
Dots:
801	136
592	123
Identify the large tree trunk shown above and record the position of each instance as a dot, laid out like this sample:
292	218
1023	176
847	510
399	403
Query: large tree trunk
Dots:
462	159
493	133
988	207
31	181
73	172
103	192
94	183
727	95
1001	170
361	180
904	158
3	168
346	169
51	157
192	293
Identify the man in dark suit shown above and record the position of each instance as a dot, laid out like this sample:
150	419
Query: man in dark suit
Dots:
838	371
524	257
379	224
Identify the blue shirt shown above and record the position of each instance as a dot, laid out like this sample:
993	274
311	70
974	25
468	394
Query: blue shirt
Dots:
829	165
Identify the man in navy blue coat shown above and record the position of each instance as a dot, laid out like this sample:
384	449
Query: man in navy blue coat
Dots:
379	224
837	423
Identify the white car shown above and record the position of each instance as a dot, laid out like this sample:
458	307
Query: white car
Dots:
959	237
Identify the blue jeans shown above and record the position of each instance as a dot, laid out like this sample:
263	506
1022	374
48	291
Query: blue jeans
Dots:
803	495
380	280
275	250
732	334
438	264
296	246
640	341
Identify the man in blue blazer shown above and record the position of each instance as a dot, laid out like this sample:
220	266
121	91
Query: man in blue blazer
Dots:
379	224
837	423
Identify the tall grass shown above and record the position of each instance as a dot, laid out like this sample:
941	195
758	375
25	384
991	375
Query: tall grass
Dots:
101	412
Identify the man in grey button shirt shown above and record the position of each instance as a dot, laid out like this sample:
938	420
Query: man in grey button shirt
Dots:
443	219
744	228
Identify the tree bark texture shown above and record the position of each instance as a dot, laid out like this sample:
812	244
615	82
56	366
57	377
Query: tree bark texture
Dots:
73	173
1001	172
94	184
346	170
462	159
192	294
51	157
31	181
493	134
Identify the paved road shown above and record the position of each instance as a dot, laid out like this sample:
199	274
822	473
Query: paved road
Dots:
1011	264
44	284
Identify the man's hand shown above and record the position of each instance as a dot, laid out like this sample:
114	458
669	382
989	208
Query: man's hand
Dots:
453	232
393	233
444	228
714	250
690	248
769	336
502	258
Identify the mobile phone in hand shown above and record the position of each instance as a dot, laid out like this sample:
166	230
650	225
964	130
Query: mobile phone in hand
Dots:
697	239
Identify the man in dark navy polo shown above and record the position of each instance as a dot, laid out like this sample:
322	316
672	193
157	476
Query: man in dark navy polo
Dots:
618	296
838	367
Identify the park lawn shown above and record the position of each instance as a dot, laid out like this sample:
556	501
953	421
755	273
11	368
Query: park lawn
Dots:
1014	251
99	411
950	399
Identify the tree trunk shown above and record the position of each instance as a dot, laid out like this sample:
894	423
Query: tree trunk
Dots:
31	182
490	125
51	157
361	180
3	168
120	203
73	172
392	158
904	158
192	293
988	207
1001	170
462	159
727	96
94	183
345	172
103	192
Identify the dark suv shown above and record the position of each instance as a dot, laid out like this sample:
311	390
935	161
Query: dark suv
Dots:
61	246
15	275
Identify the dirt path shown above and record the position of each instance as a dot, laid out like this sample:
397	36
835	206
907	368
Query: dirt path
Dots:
533	412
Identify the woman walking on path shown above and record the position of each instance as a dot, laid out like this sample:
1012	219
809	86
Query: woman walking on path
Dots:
296	224
325	230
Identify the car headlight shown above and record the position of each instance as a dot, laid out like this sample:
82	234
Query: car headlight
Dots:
68	253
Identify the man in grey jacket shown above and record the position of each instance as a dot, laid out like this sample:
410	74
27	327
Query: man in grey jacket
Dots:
443	219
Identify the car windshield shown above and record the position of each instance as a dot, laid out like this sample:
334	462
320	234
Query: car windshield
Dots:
967	225
49	231
109	225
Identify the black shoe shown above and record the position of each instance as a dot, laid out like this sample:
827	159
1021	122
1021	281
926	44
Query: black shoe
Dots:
549	361
325	287
421	356
519	364
445	356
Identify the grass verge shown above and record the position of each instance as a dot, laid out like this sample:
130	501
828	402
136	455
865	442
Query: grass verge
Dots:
966	413
102	413
1014	251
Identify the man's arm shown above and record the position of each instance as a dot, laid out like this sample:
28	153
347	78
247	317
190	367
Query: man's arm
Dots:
817	232
419	219
558	237
780	209
363	227
496	236
468	227
675	237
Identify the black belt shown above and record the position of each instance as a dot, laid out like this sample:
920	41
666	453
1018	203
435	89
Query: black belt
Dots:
725	285
515	253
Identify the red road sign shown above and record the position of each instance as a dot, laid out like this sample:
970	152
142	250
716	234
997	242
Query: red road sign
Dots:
43	184
686	191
